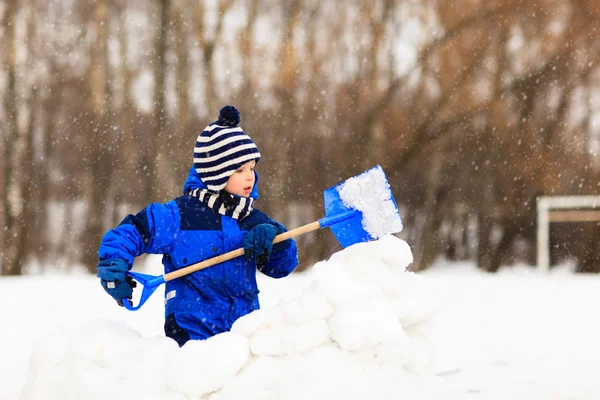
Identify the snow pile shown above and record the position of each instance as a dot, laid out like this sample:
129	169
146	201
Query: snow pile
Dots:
356	327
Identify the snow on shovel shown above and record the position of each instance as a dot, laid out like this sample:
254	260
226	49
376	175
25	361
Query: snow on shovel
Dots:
358	210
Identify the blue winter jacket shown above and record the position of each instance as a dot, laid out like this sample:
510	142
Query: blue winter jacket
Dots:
185	231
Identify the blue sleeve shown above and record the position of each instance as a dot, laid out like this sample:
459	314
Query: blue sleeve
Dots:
283	261
152	230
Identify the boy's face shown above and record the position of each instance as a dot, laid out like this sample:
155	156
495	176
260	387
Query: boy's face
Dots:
241	181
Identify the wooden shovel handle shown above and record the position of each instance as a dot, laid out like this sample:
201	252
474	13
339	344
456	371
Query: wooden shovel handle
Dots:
313	226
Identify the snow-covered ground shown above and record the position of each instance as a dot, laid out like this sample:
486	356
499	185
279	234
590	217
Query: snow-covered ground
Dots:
356	326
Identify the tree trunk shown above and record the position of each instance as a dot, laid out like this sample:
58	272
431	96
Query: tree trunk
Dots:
12	179
429	241
101	167
484	232
156	162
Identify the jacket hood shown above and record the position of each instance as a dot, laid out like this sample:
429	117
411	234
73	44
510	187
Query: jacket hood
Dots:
193	181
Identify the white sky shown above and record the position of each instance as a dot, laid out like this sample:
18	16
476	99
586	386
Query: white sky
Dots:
356	326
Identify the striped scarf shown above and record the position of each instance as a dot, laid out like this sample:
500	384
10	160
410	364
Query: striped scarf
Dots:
224	203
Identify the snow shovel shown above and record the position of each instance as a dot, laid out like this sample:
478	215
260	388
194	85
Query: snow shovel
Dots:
358	210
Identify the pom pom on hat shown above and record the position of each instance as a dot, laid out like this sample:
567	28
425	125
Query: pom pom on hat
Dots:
229	116
222	148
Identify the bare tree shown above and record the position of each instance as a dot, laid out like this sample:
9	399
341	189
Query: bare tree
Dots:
15	147
100	138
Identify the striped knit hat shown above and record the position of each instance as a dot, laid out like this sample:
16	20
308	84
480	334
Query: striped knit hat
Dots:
221	149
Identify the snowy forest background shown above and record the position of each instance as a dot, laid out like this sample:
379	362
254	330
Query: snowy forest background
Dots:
472	107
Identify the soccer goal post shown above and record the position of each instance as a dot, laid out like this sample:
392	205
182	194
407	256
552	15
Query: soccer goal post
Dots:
561	209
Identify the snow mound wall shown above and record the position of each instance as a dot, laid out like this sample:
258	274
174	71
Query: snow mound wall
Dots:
354	327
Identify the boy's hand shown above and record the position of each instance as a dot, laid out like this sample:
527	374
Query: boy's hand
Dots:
114	279
258	242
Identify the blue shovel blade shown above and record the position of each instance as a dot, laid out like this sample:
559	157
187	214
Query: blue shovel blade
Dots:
344	222
348	224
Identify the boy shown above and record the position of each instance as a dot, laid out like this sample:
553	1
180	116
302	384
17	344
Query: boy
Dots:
215	215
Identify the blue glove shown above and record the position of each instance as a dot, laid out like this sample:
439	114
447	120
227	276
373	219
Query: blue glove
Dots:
114	279
258	242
